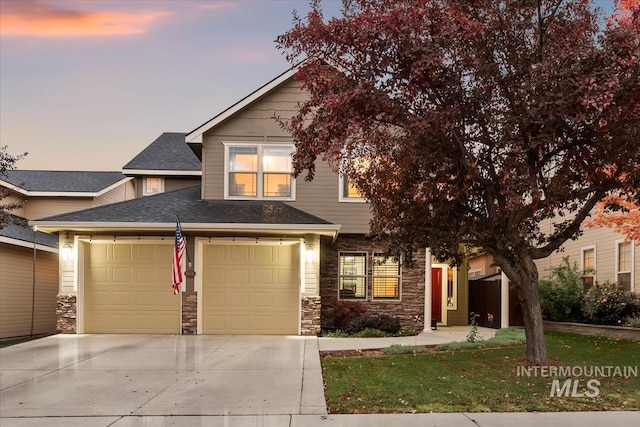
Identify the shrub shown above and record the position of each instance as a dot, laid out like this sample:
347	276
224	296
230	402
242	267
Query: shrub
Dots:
562	293
383	322
634	321
344	312
405	349
370	333
608	304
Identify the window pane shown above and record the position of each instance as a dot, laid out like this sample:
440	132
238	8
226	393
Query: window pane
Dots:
386	277
624	256
277	185
352	271
242	184
276	159
624	280
349	191
153	185
587	259
243	159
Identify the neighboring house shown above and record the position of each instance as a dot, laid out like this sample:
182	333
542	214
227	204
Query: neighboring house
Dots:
29	267
267	254
601	253
167	164
604	255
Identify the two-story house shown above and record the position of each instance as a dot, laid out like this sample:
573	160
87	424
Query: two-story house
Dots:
29	265
266	253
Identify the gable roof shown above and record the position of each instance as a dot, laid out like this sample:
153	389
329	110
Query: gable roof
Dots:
195	136
159	212
19	235
61	183
167	155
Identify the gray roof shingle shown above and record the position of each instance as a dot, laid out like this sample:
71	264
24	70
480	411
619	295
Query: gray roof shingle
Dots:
168	152
61	181
163	208
25	233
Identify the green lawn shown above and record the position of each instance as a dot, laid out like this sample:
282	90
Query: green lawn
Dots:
480	380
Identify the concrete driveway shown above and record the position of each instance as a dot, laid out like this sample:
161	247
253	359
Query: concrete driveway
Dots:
159	375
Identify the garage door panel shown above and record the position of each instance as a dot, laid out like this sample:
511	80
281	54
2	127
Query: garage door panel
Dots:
128	289
250	289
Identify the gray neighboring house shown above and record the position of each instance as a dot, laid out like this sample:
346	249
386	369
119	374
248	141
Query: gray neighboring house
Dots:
29	264
268	254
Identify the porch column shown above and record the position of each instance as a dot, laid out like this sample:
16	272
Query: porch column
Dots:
504	301
427	291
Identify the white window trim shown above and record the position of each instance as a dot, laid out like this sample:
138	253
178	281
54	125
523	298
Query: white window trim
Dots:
595	260
632	266
366	274
373	279
342	198
259	179
144	185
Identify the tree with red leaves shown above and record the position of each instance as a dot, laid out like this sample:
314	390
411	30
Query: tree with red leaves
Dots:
619	212
470	122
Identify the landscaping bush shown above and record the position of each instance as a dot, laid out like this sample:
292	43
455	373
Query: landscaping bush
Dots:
562	293
608	304
405	349
344	312
383	322
370	333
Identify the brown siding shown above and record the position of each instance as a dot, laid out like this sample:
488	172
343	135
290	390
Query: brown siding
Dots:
16	284
256	124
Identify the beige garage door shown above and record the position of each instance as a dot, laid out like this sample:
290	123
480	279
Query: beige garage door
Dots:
250	289
128	289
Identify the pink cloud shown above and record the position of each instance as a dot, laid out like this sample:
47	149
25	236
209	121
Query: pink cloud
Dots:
37	18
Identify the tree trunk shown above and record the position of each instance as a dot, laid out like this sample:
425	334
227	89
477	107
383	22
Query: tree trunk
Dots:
524	276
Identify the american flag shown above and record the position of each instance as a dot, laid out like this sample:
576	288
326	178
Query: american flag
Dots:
178	251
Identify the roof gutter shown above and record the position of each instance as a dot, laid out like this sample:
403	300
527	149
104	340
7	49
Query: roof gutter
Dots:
95	227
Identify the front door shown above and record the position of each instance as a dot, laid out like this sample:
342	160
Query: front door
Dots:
436	294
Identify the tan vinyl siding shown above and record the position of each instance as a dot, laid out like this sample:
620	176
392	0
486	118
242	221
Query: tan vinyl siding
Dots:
125	191
16	284
256	124
176	183
460	316
14	198
311	269
37	208
604	241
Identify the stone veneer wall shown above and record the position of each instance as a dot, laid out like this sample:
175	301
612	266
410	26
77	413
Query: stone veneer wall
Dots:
310	316
189	313
411	300
66	314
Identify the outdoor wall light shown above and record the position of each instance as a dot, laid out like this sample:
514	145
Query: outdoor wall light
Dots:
67	250
310	255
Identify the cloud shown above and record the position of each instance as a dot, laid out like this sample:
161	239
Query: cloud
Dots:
37	18
216	5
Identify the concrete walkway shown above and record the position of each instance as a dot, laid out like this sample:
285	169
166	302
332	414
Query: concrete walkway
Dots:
433	338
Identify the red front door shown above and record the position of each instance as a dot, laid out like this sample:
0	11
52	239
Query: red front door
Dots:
436	294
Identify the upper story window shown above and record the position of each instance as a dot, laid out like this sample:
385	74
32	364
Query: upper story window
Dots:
588	267
152	185
348	192
258	171
624	267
